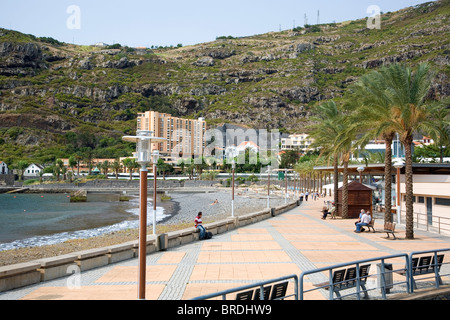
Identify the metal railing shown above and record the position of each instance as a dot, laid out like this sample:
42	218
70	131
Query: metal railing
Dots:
259	285
430	223
426	267
432	266
384	276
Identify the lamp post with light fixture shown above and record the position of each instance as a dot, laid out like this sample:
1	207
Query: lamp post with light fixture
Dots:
155	157
143	140
268	186
285	185
233	167
360	170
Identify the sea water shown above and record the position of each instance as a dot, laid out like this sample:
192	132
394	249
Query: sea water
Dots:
42	219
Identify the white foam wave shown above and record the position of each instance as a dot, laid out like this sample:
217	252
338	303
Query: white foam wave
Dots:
39	241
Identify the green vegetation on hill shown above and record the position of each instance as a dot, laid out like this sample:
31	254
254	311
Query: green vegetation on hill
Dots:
53	95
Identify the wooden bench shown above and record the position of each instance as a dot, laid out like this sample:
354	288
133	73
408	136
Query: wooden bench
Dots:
371	225
389	228
346	279
424	265
278	293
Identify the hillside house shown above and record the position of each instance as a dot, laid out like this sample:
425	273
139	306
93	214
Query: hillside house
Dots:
32	170
3	168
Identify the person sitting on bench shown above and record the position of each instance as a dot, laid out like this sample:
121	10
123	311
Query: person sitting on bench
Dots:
325	213
365	220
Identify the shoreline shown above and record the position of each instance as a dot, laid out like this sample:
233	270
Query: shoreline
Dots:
186	207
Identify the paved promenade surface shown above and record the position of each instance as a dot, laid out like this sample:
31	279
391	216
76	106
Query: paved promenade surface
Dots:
291	243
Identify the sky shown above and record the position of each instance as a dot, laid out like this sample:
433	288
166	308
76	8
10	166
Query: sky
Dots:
139	23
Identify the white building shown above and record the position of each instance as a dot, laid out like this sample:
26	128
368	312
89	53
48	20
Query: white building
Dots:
299	141
247	145
3	168
431	188
234	151
33	170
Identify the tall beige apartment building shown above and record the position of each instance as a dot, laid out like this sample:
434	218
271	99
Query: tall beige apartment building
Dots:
185	137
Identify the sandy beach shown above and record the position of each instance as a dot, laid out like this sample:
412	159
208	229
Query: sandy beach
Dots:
246	200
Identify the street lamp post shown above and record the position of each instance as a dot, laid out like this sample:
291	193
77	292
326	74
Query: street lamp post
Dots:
398	165
268	186
285	185
143	141
360	170
294	192
155	157
233	166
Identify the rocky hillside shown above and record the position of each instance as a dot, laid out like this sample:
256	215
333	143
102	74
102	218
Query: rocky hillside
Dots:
56	96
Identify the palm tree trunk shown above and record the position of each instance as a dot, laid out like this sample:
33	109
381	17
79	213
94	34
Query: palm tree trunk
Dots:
320	182
388	179
345	191
409	188
335	179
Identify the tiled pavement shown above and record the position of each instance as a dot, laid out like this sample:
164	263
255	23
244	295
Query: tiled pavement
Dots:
291	243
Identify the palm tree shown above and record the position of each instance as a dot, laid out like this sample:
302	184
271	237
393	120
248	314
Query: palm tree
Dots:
72	162
345	146
325	132
78	157
116	167
305	169
105	167
163	167
130	164
21	165
59	169
441	136
88	155
406	93
373	112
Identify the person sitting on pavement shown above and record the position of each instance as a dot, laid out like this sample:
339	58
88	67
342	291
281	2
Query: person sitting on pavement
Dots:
365	220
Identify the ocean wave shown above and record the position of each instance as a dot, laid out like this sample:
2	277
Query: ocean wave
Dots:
39	241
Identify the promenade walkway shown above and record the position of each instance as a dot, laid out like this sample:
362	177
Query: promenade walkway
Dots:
291	243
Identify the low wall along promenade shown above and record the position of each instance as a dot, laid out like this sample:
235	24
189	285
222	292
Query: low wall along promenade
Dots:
25	274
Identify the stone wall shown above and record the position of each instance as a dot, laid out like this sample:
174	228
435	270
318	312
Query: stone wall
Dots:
6	179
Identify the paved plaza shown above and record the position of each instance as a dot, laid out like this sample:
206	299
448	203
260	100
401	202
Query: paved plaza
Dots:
293	242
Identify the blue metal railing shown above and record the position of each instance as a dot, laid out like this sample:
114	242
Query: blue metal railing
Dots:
360	279
261	285
433	267
411	269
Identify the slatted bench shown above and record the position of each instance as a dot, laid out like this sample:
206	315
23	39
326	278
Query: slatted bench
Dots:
346	279
389	228
371	225
278	293
425	265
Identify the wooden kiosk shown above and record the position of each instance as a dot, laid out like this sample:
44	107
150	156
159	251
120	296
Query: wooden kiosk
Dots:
359	197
